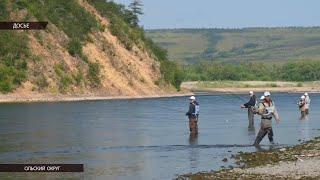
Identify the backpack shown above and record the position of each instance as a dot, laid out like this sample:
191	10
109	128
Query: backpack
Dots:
196	108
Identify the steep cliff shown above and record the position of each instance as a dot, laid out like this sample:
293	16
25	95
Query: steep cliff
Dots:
84	50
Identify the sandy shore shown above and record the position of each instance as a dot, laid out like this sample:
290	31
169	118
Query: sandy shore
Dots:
36	97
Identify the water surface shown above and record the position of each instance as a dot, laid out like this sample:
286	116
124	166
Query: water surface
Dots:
141	139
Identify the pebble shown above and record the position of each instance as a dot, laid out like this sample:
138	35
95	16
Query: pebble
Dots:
282	149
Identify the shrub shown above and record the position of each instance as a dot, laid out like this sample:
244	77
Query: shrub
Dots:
6	86
291	71
42	82
299	84
171	73
274	85
13	51
65	82
94	74
78	77
75	48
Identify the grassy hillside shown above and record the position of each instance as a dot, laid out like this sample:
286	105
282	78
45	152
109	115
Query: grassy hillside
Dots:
249	44
89	47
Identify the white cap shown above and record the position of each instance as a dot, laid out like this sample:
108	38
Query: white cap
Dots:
267	93
192	98
306	94
303	97
251	92
262	98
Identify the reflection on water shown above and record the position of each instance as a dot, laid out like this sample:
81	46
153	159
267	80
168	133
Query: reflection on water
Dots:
194	151
304	129
251	134
141	139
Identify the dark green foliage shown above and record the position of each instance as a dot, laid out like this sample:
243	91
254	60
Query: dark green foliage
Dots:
159	52
172	74
68	16
75	48
13	54
292	71
4	14
301	71
78	77
122	21
94	74
136	9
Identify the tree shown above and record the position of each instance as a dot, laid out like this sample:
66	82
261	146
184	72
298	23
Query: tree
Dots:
136	8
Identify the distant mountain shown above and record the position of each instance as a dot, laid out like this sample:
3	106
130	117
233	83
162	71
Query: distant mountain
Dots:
237	45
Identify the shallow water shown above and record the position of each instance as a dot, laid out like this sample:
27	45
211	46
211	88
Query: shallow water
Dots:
141	139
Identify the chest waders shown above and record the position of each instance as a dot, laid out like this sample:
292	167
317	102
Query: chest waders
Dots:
251	117
193	119
266	127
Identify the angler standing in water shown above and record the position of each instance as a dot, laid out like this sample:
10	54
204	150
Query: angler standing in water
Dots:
250	105
193	115
307	100
302	107
267	110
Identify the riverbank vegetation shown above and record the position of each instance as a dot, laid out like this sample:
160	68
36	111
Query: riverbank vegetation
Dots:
254	71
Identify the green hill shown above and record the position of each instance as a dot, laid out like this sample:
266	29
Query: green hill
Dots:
238	45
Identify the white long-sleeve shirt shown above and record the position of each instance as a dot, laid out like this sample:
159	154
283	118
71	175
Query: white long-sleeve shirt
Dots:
307	100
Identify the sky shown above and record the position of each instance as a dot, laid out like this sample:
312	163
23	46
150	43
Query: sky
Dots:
163	14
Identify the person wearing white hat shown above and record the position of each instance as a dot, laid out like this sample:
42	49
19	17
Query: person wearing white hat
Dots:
307	100
267	110
250	105
193	115
302	107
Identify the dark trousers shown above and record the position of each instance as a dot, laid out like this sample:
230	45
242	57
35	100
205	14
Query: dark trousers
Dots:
193	124
262	132
307	111
303	114
250	117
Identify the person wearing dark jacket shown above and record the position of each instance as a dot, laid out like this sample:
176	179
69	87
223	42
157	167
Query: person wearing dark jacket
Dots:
193	115
250	106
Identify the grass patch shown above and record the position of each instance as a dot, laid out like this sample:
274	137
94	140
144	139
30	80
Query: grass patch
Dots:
14	52
75	48
42	82
94	74
65	80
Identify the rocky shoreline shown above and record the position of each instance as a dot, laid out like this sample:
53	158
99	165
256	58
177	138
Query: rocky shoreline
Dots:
297	162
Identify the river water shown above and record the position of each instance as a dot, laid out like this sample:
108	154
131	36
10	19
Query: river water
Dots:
141	139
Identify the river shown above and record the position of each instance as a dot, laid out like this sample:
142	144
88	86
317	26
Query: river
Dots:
143	138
